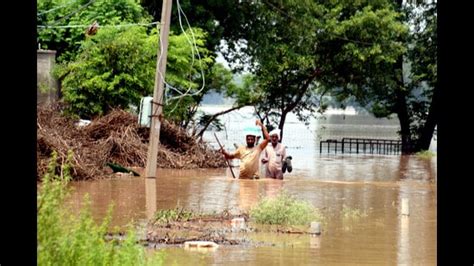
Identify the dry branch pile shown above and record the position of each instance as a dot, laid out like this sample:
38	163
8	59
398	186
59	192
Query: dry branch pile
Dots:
116	138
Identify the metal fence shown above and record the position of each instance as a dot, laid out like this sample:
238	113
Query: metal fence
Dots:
362	145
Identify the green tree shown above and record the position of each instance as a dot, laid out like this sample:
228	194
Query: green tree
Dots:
300	50
116	68
410	84
360	50
424	80
219	18
57	21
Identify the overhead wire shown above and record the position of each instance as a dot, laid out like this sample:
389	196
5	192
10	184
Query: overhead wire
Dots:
193	46
72	13
99	26
56	8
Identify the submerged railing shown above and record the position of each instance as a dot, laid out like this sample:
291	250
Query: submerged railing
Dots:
362	145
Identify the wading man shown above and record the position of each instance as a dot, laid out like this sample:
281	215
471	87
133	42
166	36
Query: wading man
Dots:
274	156
249	155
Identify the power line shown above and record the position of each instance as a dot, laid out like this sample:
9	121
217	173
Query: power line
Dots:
100	26
193	46
73	12
51	10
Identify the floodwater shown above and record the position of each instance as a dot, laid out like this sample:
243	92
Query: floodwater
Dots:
372	184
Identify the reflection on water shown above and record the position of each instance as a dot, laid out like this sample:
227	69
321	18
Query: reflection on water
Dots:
150	195
315	242
248	193
373	184
403	255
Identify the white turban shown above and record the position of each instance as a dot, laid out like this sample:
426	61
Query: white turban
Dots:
275	132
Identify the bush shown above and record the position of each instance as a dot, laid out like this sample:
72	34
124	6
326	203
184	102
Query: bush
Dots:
284	210
67	239
116	67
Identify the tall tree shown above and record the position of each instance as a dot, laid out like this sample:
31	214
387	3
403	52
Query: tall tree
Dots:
380	53
300	50
422	57
411	83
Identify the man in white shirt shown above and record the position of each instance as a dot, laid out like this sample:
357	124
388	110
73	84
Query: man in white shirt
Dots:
274	156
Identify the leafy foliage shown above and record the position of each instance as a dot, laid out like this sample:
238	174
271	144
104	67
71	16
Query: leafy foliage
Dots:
116	68
67	41
67	239
113	69
310	48
218	18
298	52
302	51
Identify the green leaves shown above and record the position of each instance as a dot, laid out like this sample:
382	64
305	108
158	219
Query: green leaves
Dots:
100	77
66	41
116	67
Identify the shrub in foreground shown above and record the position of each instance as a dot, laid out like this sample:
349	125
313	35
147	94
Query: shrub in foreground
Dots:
65	238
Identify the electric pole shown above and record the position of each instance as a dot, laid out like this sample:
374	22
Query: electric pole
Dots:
157	106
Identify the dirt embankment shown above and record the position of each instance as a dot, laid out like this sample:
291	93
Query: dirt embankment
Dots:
117	138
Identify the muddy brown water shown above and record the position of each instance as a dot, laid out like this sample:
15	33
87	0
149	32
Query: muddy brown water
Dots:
372	184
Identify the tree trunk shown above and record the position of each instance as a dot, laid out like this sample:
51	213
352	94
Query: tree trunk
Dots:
282	123
426	133
402	112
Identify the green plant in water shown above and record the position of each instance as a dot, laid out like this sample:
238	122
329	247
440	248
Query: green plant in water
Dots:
68	239
425	154
284	209
173	215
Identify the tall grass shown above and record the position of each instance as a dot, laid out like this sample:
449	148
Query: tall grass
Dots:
284	209
68	239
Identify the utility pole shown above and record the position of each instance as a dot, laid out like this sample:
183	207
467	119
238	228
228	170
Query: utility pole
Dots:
157	106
